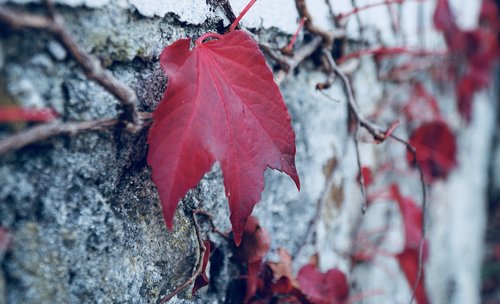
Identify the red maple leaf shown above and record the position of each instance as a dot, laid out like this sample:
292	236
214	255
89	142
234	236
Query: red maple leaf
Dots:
330	287
221	104
436	148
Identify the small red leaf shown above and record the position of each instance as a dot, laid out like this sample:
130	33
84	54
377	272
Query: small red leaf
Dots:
408	258
202	280
436	150
18	114
367	176
4	239
255	243
412	217
221	104
443	17
422	105
323	288
465	95
253	248
408	261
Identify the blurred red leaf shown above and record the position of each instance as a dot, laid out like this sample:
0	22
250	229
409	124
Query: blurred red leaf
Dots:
444	20
18	114
478	47
412	217
408	261
435	147
255	243
408	258
283	281
254	246
202	280
422	105
323	288
367	176
4	239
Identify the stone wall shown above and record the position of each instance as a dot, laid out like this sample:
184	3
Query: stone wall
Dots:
85	219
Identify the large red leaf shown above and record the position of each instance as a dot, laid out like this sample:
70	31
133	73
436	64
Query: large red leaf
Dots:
221	104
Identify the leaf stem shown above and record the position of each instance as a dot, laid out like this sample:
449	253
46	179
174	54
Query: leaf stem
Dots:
289	47
241	15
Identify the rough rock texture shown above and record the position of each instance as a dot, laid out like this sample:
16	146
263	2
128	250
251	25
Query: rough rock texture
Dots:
84	216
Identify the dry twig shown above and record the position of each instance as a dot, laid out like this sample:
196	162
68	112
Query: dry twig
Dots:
210	218
228	10
327	36
288	64
325	196
45	131
90	66
199	266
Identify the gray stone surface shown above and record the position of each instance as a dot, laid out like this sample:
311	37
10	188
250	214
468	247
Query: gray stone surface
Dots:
85	218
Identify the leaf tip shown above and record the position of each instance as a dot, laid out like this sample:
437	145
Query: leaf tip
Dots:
237	239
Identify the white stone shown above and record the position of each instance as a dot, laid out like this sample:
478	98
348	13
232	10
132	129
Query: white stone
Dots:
190	11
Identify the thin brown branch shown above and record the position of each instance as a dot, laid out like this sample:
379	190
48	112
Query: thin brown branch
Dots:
357	9
44	131
228	10
378	133
325	196
358	19
327	36
90	66
210	218
362	182
199	266
288	64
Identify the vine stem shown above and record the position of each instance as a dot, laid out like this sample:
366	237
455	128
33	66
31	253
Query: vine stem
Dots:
383	51
289	47
44	131
199	266
288	64
356	10
54	25
241	15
